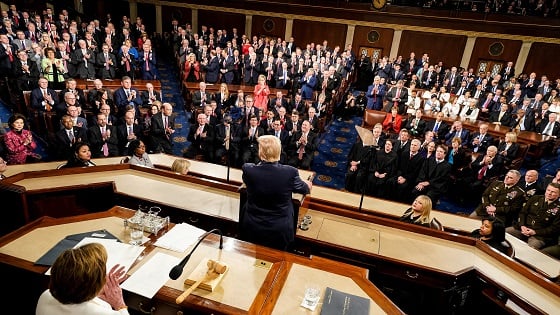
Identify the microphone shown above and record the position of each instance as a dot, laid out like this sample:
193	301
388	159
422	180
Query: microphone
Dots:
176	271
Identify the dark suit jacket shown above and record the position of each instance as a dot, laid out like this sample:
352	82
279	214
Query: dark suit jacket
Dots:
496	170
213	70
121	100
122	135
505	121
26	81
96	141
268	217
403	98
528	123
487	141
555	129
64	145
37	98
417	131
146	97
451	134
197	98
443	128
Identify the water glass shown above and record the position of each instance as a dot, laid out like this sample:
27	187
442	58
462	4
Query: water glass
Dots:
136	232
312	295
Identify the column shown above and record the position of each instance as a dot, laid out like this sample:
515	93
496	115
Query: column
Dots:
395	44
349	36
194	20
467	53
523	55
248	26
289	27
78	6
159	26
133	10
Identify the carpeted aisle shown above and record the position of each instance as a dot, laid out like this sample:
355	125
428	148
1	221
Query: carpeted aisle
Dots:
330	159
171	92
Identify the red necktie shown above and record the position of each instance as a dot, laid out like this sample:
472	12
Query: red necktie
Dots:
147	63
127	65
10	56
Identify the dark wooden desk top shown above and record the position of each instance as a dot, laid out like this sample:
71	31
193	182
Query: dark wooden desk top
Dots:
496	130
233	88
115	84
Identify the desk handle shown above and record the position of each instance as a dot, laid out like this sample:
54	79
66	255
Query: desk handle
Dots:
143	311
412	275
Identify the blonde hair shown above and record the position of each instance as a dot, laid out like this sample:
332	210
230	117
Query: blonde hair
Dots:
269	148
181	166
426	209
512	136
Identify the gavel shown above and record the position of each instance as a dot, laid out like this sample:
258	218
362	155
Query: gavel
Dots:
215	268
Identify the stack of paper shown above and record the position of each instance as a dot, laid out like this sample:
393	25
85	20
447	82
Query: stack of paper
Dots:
180	237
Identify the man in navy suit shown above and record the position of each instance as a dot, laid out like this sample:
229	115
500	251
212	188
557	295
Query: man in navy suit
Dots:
128	132
284	137
148	63
213	68
67	136
457	131
102	138
163	127
268	217
127	95
481	140
308	83
43	98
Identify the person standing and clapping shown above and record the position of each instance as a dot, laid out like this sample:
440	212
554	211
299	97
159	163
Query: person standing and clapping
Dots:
80	284
267	217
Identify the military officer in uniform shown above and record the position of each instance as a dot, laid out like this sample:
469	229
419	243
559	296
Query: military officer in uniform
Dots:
502	199
539	220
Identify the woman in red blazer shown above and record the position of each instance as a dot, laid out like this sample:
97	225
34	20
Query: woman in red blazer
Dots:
192	69
393	121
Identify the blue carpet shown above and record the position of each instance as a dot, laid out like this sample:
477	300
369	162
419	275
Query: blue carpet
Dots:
171	92
330	159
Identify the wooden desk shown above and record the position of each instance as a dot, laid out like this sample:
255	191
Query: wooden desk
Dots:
278	290
232	88
421	254
115	84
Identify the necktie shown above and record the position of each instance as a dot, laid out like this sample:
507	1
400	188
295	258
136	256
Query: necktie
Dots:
165	122
23	44
70	135
127	64
129	130
105	147
147	58
301	148
548	129
436	127
482	172
9	52
227	138
106	61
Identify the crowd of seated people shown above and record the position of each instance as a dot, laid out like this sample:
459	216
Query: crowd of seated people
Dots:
541	8
46	56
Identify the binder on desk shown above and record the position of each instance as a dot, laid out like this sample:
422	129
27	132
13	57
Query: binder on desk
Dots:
340	303
69	242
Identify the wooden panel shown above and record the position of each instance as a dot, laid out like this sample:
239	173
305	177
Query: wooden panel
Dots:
275	27
313	32
148	14
438	46
222	20
541	57
183	15
361	39
481	50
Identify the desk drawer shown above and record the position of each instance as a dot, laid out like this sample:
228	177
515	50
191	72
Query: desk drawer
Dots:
416	275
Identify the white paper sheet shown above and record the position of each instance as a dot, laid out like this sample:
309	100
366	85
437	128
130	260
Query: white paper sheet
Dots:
117	252
180	237
151	276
